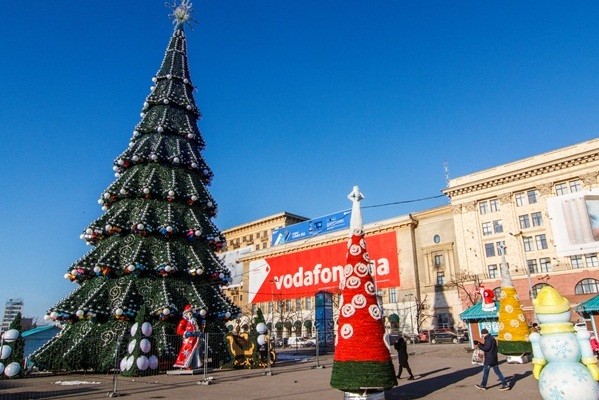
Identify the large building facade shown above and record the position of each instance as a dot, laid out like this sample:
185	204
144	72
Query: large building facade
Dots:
541	210
429	264
11	309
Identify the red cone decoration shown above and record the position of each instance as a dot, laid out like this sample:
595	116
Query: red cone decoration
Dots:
362	362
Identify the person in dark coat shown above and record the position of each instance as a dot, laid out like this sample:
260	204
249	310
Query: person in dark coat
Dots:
489	347
402	358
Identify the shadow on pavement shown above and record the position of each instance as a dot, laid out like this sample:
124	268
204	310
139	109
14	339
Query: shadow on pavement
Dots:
422	387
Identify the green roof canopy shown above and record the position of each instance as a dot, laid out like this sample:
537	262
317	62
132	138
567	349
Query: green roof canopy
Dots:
476	313
589	306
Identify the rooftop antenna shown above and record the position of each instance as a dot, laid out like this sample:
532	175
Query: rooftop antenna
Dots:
446	171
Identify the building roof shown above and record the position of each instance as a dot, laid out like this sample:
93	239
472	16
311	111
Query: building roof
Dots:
38	329
589	306
476	313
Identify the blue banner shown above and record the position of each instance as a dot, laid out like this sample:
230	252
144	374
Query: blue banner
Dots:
313	227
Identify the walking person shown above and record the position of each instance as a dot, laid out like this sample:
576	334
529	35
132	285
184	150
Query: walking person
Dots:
489	347
402	358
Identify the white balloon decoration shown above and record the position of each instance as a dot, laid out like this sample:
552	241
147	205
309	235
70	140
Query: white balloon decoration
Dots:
166	311
134	329
12	369
130	362
79	313
10	335
146	328
153	362
119	311
144	345
131	346
5	352
261	328
1	368
202	312
142	363
261	339
123	364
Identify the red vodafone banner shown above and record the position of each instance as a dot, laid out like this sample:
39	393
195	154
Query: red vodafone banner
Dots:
303	273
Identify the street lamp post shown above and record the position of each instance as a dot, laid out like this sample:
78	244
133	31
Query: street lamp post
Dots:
518	237
409	296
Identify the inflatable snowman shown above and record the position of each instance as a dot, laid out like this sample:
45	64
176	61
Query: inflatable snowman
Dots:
563	361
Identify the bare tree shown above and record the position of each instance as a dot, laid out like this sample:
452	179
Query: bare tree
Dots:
466	285
423	312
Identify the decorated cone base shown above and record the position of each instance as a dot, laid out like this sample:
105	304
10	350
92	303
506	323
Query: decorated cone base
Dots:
358	376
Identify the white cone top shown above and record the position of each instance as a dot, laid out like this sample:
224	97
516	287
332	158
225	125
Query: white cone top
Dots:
506	277
355	221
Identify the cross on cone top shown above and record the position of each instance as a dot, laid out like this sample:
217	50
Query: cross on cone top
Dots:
362	358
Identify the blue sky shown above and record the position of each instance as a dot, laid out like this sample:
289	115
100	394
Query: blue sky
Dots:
301	101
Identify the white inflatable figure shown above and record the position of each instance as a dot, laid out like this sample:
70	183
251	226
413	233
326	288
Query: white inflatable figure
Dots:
488	299
563	361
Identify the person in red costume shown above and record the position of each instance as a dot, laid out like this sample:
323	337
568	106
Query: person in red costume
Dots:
488	298
189	354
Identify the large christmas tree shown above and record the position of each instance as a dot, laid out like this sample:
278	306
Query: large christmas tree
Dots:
155	244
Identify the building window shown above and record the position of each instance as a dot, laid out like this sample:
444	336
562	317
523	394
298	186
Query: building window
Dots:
498	226
527	243
487	228
537	219
576	186
438	260
576	262
545	264
287	305
537	287
587	286
308	303
561	189
592	260
519	199
490	249
532	196
541	242
298	304
483	207
493	271
494	205
497	292
532	266
440	278
392	295
524	221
